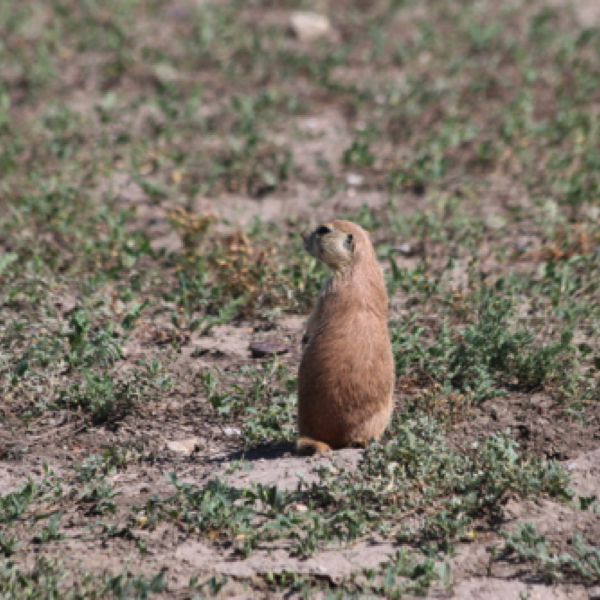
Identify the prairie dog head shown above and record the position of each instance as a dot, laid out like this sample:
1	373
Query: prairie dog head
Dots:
337	243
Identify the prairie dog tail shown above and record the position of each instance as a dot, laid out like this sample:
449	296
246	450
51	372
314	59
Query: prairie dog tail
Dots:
308	447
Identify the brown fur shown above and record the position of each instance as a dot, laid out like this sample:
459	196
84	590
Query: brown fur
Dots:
346	377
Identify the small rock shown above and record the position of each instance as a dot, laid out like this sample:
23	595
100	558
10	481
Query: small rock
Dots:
168	74
310	125
231	431
59	420
65	305
309	26
261	349
407	249
354	179
184	446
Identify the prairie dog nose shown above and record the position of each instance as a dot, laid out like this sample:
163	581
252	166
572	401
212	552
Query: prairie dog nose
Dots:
306	234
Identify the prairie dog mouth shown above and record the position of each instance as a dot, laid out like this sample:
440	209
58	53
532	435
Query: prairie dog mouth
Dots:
306	239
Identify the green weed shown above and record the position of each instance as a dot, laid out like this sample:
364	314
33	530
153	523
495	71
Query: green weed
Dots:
583	562
48	579
260	400
104	397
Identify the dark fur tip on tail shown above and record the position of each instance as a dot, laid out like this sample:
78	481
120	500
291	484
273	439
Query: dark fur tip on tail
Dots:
307	447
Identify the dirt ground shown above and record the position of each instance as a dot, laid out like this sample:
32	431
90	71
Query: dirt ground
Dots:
179	432
182	555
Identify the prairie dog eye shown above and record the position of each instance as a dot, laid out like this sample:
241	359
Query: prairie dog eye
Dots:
323	230
348	241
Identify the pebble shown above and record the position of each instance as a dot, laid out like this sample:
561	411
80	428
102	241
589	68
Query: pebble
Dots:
354	179
309	26
231	431
405	249
262	349
184	446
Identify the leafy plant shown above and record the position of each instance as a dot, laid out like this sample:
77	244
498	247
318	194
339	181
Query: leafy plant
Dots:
358	155
50	533
106	397
263	405
529	546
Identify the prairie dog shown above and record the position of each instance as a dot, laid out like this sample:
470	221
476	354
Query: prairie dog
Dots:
346	377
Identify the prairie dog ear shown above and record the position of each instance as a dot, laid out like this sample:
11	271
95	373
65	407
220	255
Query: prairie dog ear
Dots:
349	241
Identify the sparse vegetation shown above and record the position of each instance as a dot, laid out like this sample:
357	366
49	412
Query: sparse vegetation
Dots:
157	161
528	545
